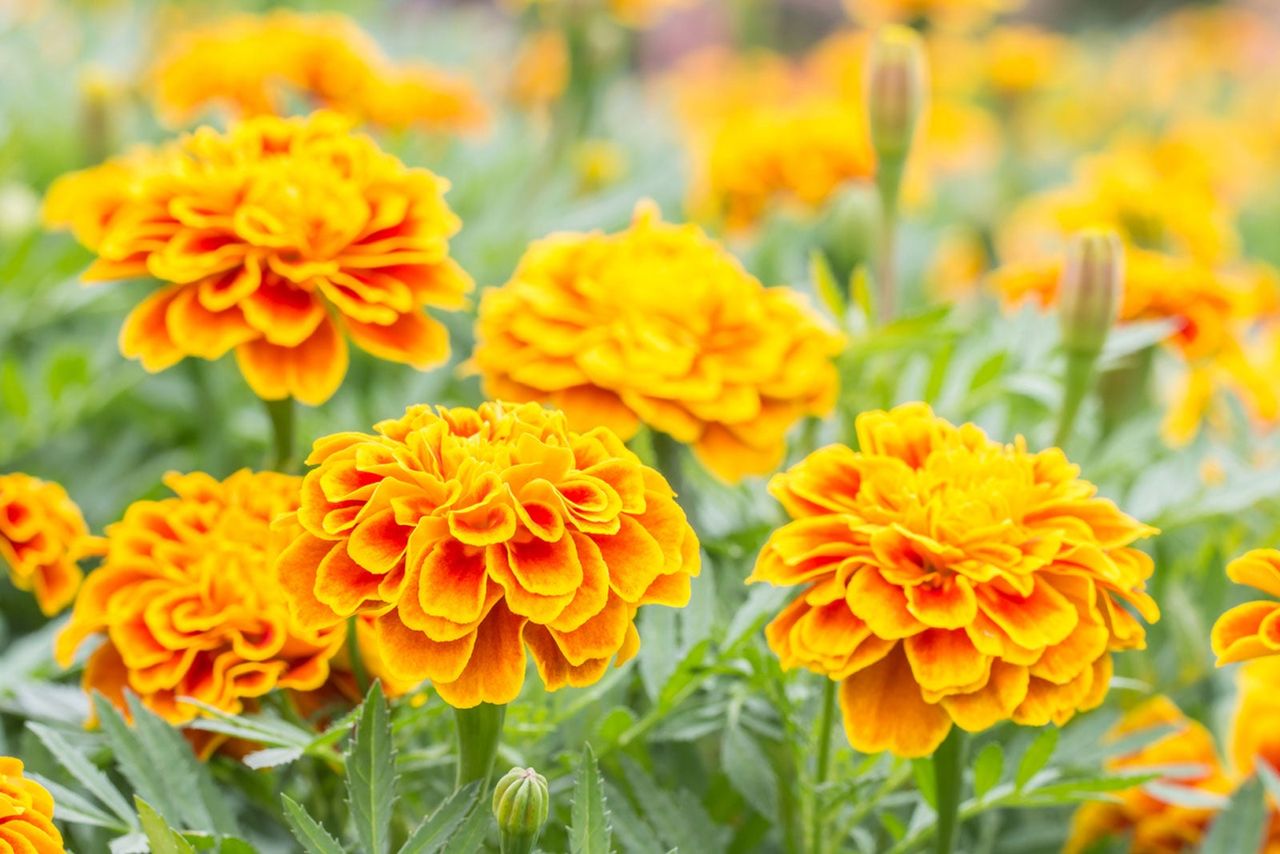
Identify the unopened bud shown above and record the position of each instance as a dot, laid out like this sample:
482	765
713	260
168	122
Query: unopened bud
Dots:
897	87
1090	291
521	805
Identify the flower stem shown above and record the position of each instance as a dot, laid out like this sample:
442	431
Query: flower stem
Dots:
358	673
888	185
479	731
826	719
1079	380
282	416
948	769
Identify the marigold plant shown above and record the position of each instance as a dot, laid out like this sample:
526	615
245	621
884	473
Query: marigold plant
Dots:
26	813
187	606
277	239
950	579
473	534
658	325
1251	630
42	536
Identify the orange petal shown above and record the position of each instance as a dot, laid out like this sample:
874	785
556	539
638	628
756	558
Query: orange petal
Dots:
945	661
296	569
949	604
145	334
994	702
342	584
1043	618
883	606
883	710
310	372
554	668
413	339
453	582
495	671
599	637
1247	631
378	542
1259	569
411	656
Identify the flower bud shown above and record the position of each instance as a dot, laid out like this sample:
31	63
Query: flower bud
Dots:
520	805
1090	290
897	84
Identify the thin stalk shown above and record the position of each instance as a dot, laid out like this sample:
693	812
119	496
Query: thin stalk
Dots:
358	672
948	769
888	184
826	719
1076	387
283	417
479	732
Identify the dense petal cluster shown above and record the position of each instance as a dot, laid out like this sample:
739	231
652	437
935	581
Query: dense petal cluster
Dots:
254	65
188	606
26	813
1251	630
273	240
471	534
42	536
951	579
660	325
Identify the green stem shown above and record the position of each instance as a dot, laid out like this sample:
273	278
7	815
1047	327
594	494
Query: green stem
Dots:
479	732
948	769
826	719
1076	387
358	672
888	184
1125	390
283	415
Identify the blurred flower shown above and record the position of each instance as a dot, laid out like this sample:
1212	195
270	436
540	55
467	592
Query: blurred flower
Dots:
26	813
187	604
471	534
600	163
272	239
275	63
1254	734
659	325
958	265
1251	630
42	536
342	689
951	579
540	70
1019	59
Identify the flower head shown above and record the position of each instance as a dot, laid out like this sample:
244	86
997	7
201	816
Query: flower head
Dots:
273	240
26	813
951	579
659	325
42	536
1251	630
471	534
187	604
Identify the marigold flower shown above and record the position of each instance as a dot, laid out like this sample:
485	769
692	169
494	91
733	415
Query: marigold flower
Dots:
951	579
256	65
272	239
187	604
26	813
471	534
42	536
1251	630
658	324
540	70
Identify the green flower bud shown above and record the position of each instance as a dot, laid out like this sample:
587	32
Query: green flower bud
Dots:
520	805
1090	290
897	86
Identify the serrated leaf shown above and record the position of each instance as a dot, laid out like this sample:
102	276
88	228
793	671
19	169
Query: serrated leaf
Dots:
265	730
131	843
434	832
72	807
1038	754
88	774
148	778
469	838
1241	826
987	768
160	837
310	834
272	757
631	833
679	818
588	827
371	773
749	771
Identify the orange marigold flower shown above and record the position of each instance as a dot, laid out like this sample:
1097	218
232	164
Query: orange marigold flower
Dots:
188	605
951	579
42	536
272	239
1251	630
473	534
256	65
26	813
661	325
1254	735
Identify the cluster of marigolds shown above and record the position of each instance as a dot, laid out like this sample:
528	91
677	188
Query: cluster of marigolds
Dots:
942	578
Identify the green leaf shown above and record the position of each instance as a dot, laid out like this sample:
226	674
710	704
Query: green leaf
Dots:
72	807
160	837
272	757
1270	779
659	656
269	731
678	816
85	772
860	287
749	771
1037	756
824	282
588	827
371	774
309	832
469	838
1241	826
632	833
926	780
987	768
434	832
148	778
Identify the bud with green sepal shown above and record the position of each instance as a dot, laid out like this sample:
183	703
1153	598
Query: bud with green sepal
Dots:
520	805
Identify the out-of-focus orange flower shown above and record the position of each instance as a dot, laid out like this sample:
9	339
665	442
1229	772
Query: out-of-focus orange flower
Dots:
1254	735
540	71
472	534
26	813
283	61
42	536
1251	630
273	240
188	606
343	689
958	265
658	324
1156	826
951	579
1021	59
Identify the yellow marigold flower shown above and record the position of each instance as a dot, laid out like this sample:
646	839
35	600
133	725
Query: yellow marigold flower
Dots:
42	536
1251	630
1021	59
273	240
256	65
188	606
473	534
1153	825
951	579
1254	735
26	813
540	71
658	324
